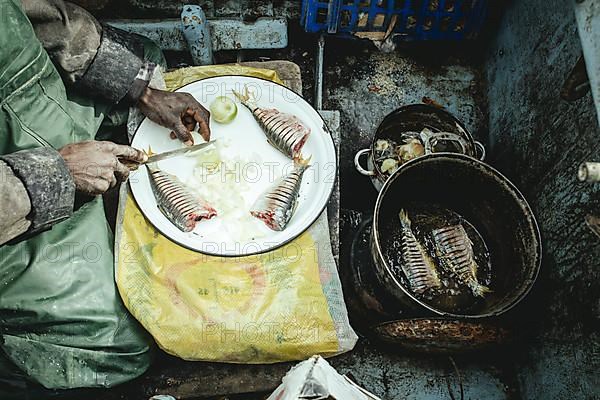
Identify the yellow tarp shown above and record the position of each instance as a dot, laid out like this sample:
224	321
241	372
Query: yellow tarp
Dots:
256	309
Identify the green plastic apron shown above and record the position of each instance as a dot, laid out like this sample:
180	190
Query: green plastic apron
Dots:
62	323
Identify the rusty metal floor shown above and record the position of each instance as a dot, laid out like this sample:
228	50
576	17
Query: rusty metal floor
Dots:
364	85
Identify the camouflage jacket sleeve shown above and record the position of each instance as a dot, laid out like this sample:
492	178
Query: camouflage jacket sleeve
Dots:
99	59
36	191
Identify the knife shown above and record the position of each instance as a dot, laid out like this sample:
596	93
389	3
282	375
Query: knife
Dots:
185	151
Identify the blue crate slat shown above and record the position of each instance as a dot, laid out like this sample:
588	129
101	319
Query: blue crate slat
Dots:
416	19
333	16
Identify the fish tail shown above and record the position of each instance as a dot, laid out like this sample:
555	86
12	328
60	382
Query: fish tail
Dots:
404	220
246	98
241	97
436	282
480	290
299	161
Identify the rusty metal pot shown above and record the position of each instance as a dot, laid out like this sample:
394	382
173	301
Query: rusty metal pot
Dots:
488	201
414	118
441	335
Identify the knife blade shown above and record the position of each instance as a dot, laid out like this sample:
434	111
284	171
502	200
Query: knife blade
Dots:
185	151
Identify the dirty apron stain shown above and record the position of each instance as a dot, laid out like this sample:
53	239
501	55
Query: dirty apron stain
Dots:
62	323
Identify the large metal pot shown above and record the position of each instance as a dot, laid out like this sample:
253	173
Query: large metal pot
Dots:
414	118
488	201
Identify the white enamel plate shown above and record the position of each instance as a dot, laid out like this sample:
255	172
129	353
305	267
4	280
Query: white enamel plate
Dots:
234	175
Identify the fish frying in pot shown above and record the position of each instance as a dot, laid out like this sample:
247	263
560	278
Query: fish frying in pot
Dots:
455	251
418	267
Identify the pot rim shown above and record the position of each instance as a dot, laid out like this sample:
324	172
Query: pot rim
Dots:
409	107
462	158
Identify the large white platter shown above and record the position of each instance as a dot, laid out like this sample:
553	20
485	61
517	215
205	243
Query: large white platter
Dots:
234	232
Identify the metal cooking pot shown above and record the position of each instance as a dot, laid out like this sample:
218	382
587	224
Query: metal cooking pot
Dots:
414	118
488	201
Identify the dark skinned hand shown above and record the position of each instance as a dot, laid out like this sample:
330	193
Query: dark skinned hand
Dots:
177	111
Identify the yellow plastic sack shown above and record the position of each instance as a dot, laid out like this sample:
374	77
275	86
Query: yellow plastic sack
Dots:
180	77
281	306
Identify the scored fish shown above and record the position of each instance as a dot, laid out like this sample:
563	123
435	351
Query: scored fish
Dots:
284	131
417	265
454	248
176	202
276	206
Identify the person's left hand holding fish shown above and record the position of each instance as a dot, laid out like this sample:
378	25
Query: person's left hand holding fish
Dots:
177	111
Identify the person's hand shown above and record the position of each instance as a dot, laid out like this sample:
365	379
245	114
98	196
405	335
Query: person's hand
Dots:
96	166
177	111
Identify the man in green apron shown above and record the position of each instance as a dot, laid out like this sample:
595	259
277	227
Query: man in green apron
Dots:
62	323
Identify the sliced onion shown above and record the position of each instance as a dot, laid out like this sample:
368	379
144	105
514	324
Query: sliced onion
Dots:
223	110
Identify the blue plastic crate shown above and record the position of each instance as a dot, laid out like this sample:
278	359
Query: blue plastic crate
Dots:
415	19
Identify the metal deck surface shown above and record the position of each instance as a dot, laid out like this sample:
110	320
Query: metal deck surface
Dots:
508	87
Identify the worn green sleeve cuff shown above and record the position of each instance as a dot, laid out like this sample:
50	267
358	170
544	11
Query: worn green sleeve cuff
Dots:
48	182
116	65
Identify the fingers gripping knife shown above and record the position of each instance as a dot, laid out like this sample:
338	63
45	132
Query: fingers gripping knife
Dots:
186	151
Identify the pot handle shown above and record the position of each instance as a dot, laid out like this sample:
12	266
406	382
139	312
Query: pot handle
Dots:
359	167
480	150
